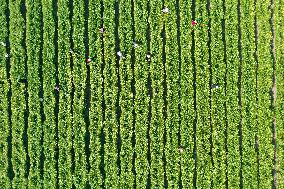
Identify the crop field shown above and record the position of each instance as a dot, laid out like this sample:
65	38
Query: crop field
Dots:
142	94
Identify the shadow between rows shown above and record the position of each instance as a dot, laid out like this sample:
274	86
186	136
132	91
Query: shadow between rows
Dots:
10	171
225	59
23	11
177	7
239	83
103	105
87	95
56	108
117	65
150	94
193	13
71	41
255	54
133	89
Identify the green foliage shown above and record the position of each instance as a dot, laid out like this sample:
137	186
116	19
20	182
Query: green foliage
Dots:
148	118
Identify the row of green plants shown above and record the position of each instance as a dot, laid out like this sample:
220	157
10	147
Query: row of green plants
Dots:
249	104
79	78
4	129
110	96
96	80
278	24
264	109
126	95
49	84
218	113
188	114
33	43
17	71
142	97
68	125
173	79
233	110
36	100
157	124
203	127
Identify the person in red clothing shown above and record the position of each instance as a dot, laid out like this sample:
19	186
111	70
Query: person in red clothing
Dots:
88	60
198	21
193	22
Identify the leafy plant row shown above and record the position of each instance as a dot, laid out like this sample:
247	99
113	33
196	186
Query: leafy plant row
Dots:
17	71
249	103
173	79
49	84
157	172
218	95
110	95
233	114
126	95
96	108
264	86
278	24
65	123
188	113
33	43
4	87
143	96
203	127
79	78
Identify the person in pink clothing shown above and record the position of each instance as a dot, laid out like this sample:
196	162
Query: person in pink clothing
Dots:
193	22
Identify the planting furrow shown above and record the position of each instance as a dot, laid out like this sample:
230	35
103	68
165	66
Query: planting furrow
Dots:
36	100
187	96
157	172
233	113
126	94
225	59
10	171
273	91
179	58
279	53
264	109
17	71
149	92
202	59
96	80
256	60
111	77
249	159
63	89
240	90
26	114
133	90
142	98
4	87
72	94
171	69
79	78
165	95
48	69
118	63
87	92
218	115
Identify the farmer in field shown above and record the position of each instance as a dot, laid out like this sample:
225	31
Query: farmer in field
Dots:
197	21
79	55
89	59
165	10
102	30
193	22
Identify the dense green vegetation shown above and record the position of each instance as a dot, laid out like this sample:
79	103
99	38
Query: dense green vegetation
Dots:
177	94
